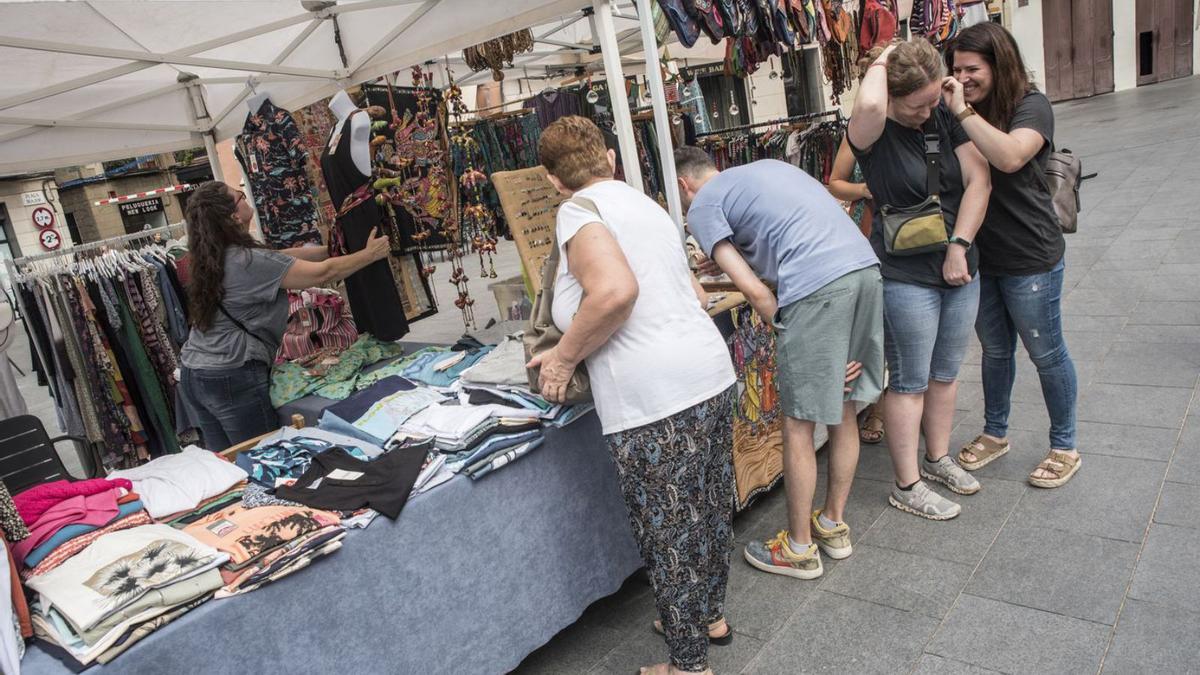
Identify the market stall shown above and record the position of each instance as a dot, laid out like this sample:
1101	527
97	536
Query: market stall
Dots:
511	521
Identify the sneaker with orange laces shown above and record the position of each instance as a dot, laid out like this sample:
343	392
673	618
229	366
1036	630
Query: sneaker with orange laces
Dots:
777	557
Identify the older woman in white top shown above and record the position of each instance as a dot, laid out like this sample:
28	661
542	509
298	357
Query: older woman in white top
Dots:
661	378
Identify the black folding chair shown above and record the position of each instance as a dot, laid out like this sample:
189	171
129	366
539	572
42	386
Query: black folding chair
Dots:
28	455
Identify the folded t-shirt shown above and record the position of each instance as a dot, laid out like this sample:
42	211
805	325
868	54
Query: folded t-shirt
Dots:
179	482
71	531
97	510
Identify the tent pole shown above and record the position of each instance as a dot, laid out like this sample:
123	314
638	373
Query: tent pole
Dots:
199	108
210	146
662	124
604	34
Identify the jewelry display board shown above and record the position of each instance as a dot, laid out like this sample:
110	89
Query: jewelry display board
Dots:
530	206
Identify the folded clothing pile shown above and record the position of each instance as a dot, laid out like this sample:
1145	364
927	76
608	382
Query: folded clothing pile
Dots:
374	414
266	543
65	517
95	602
178	483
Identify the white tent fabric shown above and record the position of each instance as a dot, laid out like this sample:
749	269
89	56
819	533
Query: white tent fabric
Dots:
102	79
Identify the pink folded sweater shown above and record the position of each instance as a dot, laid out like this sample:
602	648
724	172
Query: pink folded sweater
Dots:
32	503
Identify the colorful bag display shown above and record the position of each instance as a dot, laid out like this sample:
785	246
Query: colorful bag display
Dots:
318	320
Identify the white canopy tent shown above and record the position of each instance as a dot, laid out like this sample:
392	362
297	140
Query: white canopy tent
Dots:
102	79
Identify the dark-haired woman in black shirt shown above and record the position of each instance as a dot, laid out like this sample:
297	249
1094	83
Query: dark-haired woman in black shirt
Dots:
1020	246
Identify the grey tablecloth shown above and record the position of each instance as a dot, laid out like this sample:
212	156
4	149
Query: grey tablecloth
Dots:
470	579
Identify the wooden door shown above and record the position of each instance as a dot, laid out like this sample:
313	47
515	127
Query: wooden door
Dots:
1164	40
1078	48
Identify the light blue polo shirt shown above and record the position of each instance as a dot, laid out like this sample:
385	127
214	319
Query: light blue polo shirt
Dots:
785	223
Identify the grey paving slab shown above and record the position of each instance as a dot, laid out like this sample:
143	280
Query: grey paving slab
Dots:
1063	572
1182	253
758	604
1109	497
1132	404
1123	440
839	634
1167	573
1029	415
1172	288
1185	465
1090	346
1027	388
648	648
629	609
964	539
576	649
906	581
1093	324
1166	365
1179	269
1015	639
1160	335
1179	505
1152	638
1154	313
940	665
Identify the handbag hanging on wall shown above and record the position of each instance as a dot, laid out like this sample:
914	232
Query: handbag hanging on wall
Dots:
541	335
913	230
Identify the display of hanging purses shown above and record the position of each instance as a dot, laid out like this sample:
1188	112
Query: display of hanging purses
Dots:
913	230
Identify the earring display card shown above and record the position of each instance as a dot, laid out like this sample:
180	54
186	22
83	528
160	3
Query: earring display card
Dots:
530	205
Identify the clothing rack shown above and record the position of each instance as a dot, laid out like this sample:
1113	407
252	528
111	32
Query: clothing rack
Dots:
14	265
783	120
17	265
492	118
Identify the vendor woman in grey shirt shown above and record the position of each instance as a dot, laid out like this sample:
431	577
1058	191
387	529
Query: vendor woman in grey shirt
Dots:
238	310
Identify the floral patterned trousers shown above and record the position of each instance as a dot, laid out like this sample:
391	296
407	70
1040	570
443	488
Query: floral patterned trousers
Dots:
677	478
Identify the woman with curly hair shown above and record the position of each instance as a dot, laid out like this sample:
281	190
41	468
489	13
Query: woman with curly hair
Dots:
238	310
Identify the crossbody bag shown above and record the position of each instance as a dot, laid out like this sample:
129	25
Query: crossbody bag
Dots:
913	230
541	335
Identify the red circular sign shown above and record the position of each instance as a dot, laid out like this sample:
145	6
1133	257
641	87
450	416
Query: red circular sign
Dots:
43	217
50	239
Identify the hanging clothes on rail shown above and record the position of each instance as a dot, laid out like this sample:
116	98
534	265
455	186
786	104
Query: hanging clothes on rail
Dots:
274	158
101	324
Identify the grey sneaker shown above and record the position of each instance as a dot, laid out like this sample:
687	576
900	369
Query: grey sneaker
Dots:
947	472
922	501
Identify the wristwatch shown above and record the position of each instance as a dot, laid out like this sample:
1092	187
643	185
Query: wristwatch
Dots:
961	242
967	112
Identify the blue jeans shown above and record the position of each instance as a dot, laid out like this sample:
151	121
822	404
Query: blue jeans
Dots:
926	332
230	405
1028	306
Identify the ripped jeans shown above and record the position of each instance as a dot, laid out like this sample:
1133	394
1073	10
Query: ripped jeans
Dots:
1030	307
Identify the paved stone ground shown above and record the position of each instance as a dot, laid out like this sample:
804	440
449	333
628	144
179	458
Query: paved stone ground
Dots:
1097	576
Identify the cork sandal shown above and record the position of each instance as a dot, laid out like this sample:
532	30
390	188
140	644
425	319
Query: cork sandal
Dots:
1058	464
985	451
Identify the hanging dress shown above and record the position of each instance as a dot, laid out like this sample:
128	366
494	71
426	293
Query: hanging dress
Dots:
374	301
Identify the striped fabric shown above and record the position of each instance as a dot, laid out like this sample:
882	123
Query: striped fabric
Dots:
318	320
